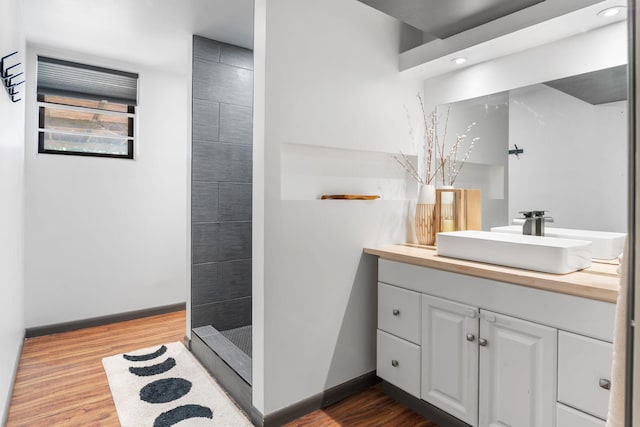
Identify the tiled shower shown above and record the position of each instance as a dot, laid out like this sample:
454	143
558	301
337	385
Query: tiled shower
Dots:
222	109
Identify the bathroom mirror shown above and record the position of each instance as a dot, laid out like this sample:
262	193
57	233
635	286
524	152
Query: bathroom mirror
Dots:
568	140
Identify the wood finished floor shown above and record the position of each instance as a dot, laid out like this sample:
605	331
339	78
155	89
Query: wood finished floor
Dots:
370	408
61	382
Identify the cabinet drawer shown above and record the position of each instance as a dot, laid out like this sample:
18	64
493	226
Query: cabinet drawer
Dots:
399	312
398	362
582	363
569	417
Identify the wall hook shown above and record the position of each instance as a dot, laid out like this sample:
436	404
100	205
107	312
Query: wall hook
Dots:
517	151
8	77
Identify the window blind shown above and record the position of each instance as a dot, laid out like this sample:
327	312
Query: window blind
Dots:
65	78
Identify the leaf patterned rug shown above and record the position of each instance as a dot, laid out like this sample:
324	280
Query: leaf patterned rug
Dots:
165	385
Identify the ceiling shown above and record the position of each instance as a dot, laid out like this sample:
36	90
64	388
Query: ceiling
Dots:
441	19
155	33
541	23
597	87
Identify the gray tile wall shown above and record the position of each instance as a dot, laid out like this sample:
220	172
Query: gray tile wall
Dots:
221	176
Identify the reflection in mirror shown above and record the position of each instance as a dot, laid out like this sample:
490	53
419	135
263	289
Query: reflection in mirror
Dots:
573	134
486	168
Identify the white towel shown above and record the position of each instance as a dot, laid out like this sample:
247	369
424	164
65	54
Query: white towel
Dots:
615	417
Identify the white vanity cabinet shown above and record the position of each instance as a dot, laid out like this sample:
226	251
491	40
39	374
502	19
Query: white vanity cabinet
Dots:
517	372
491	353
569	417
398	338
480	365
450	357
399	312
398	362
584	376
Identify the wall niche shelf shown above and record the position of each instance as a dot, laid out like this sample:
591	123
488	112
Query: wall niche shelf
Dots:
9	75
309	171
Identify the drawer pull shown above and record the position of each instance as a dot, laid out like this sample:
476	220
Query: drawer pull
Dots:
605	384
394	363
482	342
396	312
471	337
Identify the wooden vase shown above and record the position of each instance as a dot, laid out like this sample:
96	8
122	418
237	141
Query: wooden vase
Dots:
425	215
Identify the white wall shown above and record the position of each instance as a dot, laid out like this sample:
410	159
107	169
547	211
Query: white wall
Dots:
106	236
11	211
575	159
330	79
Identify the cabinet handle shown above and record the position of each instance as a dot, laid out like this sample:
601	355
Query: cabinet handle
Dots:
605	384
482	342
471	337
394	363
490	317
396	312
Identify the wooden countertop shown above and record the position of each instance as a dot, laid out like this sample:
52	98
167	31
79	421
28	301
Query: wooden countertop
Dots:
599	282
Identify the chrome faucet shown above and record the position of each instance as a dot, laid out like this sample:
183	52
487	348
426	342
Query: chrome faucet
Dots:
534	222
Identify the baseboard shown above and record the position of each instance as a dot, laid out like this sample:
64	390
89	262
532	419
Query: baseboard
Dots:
423	408
102	320
7	404
240	391
320	400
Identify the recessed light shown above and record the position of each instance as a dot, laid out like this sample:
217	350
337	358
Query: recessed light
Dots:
459	60
611	11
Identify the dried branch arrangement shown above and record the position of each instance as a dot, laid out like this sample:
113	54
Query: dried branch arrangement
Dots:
451	161
429	147
435	159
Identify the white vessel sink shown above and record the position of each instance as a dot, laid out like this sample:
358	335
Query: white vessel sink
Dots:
605	245
545	254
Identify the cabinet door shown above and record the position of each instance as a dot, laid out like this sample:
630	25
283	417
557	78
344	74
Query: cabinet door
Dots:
450	357
517	372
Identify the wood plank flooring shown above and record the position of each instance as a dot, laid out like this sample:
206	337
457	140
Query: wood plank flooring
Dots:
61	382
370	408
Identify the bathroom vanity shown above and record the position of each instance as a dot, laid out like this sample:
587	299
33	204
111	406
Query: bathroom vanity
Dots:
493	345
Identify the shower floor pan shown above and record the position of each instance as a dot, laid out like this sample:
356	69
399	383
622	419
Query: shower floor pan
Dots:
233	346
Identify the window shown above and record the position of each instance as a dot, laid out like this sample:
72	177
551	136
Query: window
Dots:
85	110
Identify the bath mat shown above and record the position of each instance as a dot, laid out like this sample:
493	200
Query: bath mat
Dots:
165	385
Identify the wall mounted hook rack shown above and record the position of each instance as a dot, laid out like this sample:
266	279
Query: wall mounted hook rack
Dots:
9	77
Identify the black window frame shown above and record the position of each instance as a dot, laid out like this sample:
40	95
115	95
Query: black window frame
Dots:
74	93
